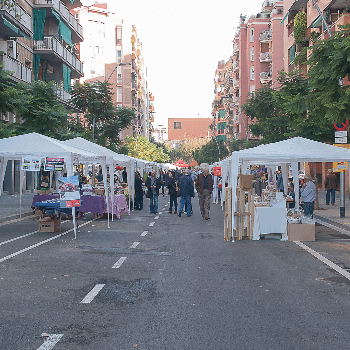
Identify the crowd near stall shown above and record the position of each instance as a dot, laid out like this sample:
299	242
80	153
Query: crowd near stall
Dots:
264	193
72	176
260	188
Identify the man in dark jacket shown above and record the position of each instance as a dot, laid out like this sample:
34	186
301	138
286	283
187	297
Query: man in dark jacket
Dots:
172	184
153	185
187	191
138	192
204	187
331	185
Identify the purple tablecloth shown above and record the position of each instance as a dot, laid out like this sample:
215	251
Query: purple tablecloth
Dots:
94	204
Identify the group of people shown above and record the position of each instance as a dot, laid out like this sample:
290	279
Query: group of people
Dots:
178	185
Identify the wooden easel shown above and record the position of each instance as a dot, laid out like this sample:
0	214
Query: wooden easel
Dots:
245	214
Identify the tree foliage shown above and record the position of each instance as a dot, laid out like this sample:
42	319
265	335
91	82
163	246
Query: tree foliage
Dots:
186	149
141	147
211	152
96	102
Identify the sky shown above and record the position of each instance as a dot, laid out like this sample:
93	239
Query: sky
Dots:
182	42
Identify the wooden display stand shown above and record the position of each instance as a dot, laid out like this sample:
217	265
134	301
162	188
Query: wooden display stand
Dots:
244	214
228	214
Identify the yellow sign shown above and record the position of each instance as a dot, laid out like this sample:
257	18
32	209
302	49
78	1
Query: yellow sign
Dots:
340	166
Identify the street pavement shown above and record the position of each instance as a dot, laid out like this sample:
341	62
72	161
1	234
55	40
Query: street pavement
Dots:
165	282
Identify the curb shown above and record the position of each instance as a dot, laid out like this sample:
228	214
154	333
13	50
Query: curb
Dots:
331	222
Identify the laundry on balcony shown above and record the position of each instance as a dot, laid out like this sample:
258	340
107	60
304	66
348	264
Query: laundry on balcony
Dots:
39	18
64	32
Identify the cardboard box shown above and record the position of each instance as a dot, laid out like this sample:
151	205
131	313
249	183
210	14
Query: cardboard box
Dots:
99	191
49	224
301	232
246	181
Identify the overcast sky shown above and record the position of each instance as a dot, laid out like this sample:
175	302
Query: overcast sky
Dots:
182	43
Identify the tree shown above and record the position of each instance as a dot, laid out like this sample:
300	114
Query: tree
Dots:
329	68
41	111
211	152
186	149
96	102
141	147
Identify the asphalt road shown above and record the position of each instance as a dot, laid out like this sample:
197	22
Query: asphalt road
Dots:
181	287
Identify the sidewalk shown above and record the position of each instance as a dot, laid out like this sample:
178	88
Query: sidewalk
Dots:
9	206
331	213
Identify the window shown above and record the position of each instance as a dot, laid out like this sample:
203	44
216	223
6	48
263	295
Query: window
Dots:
252	89
177	125
119	94
252	73
119	53
252	54
118	35
251	35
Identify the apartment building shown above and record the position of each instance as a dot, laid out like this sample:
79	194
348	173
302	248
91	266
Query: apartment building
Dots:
257	59
112	52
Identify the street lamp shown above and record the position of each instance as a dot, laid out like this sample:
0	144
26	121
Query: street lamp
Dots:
93	121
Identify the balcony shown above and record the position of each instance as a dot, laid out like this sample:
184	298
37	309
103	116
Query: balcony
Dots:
62	94
18	70
59	7
265	77
51	48
265	35
236	100
235	49
14	21
235	83
266	57
235	66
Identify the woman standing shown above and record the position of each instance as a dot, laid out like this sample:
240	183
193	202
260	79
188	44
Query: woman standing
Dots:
172	192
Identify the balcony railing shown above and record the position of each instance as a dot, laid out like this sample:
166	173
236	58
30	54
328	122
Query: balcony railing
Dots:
52	44
18	13
235	66
265	35
235	83
18	70
64	12
266	57
235	48
236	100
62	94
265	77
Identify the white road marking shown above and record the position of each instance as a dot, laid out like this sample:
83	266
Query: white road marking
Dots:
134	245
15	220
15	239
19	237
144	233
91	295
156	218
151	224
161	213
119	263
336	228
41	243
324	260
50	341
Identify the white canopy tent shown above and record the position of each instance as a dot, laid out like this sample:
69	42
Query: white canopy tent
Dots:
291	151
38	146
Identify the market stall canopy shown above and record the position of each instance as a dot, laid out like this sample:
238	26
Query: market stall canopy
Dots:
180	163
297	149
36	145
81	143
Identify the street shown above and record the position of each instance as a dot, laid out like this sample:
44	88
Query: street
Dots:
165	282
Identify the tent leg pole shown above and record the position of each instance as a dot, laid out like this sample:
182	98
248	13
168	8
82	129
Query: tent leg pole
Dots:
74	223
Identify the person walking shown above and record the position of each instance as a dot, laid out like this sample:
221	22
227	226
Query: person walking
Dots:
138	192
153	185
172	185
308	196
204	187
187	191
331	185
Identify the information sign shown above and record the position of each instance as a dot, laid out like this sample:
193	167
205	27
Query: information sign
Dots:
30	164
341	139
340	166
69	191
341	133
217	171
54	164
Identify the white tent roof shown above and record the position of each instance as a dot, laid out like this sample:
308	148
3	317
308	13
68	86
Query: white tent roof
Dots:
297	149
81	143
36	145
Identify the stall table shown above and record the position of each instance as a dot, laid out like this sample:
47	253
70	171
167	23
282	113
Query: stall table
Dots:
270	220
